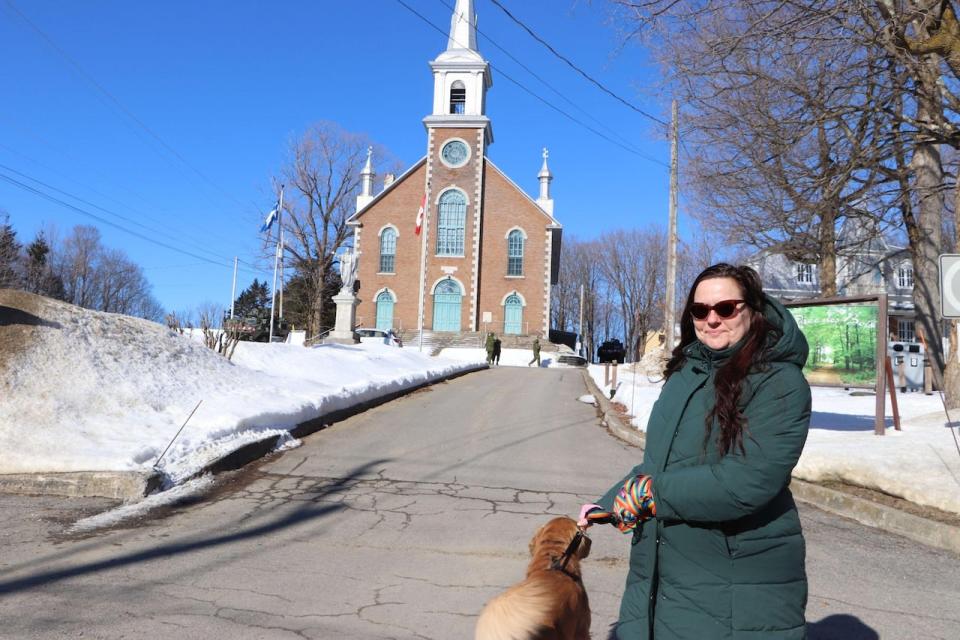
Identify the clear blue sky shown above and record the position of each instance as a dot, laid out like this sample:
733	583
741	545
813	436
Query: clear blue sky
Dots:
226	84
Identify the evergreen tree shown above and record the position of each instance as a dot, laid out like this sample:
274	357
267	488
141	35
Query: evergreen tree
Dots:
11	272
38	275
253	301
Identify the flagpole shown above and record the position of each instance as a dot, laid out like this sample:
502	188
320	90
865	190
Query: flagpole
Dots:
273	291
280	221
233	289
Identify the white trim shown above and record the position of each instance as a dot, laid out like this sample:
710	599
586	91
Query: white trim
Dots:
452	187
553	221
503	300
353	220
384	290
463	289
389	225
506	236
443	160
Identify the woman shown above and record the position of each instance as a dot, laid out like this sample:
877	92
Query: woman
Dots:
717	546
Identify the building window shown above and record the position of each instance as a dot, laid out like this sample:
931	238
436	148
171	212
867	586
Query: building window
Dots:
515	253
388	250
804	273
905	276
905	331
450	223
458	97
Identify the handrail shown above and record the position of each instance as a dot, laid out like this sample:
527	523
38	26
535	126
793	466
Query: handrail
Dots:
309	341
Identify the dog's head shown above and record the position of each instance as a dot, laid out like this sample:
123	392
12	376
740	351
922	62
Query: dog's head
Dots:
552	539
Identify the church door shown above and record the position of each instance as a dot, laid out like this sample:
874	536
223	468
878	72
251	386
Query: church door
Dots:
446	306
385	311
513	315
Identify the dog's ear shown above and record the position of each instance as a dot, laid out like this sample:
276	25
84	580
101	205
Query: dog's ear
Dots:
536	539
584	549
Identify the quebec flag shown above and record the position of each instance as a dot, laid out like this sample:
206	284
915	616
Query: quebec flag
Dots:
271	217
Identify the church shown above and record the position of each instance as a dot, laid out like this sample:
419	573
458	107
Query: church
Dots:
453	244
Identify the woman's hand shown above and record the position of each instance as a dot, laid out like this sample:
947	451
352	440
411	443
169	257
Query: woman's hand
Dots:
583	522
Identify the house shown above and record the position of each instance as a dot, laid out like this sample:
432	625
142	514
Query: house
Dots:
453	244
867	264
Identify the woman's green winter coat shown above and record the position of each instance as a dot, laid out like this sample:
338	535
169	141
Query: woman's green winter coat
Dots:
724	556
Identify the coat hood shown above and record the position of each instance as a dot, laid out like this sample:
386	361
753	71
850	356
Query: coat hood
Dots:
788	344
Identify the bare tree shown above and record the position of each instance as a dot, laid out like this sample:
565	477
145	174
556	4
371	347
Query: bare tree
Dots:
632	264
216	336
95	277
322	174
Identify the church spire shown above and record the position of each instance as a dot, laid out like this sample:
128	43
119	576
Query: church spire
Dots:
544	199
366	181
463	27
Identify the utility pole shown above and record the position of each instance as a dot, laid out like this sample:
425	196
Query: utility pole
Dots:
276	260
580	323
670	300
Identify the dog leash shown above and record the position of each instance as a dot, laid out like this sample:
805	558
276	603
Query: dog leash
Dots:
560	564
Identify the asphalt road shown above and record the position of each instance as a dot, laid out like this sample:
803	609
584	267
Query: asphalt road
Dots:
400	523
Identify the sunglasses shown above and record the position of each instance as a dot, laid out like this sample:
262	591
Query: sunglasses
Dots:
725	309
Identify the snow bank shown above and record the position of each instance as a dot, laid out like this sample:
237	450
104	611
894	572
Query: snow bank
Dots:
89	391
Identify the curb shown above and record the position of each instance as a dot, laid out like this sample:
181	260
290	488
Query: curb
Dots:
131	486
127	486
610	418
880	516
872	514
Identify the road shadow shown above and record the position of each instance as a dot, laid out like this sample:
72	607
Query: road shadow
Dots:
843	421
309	511
841	626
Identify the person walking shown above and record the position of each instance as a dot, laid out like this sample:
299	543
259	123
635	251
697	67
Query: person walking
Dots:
536	352
496	351
717	548
489	346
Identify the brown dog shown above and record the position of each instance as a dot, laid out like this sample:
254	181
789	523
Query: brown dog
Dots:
551	603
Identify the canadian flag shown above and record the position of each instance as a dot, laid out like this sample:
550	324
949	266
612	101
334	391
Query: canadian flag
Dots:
423	204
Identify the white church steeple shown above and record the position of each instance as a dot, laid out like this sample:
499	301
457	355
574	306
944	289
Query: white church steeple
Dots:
544	199
461	76
366	181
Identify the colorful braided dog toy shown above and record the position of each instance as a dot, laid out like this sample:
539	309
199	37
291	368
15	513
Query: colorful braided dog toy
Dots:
634	503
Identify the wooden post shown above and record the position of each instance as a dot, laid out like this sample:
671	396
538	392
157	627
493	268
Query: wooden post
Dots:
893	394
613	376
880	419
606	374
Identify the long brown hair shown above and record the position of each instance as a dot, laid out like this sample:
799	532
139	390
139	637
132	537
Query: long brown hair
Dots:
751	355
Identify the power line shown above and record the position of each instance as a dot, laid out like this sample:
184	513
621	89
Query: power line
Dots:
536	75
102	220
573	66
542	99
91	80
115	214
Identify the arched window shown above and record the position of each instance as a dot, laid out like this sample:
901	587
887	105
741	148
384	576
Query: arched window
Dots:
458	97
385	311
450	223
388	250
512	315
515	253
905	276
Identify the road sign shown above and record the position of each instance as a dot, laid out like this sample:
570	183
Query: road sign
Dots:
950	285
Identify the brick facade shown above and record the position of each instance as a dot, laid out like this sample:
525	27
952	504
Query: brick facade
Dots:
495	206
